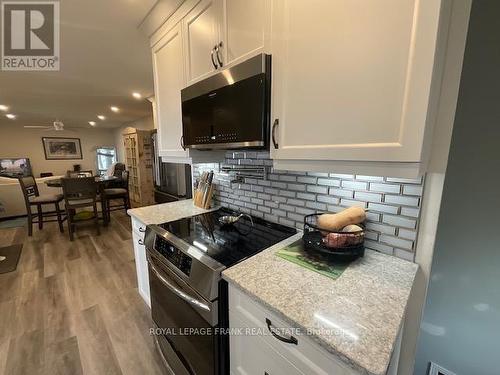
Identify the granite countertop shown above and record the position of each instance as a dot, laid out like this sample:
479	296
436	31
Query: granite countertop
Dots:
362	311
160	213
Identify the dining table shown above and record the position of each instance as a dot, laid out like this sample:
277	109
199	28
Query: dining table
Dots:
101	180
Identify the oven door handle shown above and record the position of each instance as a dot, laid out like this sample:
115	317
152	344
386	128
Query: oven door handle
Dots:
184	296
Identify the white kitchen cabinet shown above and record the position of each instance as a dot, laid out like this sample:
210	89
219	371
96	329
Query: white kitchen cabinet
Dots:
224	32
168	66
202	36
246	29
141	263
251	355
169	77
352	81
194	43
252	352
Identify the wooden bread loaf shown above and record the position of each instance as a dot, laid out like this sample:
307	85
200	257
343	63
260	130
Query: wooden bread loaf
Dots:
336	222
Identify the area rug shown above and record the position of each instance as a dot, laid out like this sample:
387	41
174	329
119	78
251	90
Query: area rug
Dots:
13	223
9	256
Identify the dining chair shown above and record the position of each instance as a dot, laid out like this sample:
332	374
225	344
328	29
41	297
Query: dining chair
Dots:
118	192
33	198
119	168
80	193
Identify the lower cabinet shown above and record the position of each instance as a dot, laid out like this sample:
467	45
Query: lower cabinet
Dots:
252	355
141	262
254	350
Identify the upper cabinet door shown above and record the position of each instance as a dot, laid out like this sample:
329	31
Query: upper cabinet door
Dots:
352	79
246	29
202	31
168	65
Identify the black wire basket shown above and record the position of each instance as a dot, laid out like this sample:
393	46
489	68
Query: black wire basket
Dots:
337	246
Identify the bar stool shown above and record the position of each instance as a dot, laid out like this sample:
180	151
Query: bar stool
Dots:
33	198
112	194
78	193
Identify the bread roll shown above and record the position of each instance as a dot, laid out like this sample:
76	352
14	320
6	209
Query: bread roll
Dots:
352	228
335	222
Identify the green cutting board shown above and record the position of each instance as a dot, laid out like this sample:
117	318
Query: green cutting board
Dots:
295	253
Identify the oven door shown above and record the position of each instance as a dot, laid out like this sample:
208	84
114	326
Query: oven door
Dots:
188	344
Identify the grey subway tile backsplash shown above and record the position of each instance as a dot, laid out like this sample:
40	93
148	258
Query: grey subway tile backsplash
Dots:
285	197
385	188
307	180
410	211
402	200
413	190
383	208
367	197
342	193
396	242
399	221
317	189
369	178
354	185
328	182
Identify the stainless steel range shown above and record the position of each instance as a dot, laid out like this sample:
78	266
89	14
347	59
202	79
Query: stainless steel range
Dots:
188	296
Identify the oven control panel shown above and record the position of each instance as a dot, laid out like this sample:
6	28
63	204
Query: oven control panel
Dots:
173	255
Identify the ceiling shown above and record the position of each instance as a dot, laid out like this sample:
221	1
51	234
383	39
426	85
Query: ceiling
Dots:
104	58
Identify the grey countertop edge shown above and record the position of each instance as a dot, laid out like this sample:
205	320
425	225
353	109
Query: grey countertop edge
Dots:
351	363
151	215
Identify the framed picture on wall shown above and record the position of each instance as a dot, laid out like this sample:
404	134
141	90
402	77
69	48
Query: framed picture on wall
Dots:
58	148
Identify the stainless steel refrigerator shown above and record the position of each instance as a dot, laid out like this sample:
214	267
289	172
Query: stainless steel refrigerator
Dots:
172	181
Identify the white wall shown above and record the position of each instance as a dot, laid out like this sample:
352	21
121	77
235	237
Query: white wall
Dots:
145	123
16	141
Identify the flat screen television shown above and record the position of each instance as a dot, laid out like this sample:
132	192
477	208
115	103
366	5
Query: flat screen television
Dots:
15	167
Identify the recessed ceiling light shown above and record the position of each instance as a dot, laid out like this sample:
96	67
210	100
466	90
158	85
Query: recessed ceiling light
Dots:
92	123
4	108
115	109
10	116
101	117
137	95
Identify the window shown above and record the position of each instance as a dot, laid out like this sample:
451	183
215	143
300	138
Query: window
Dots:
105	157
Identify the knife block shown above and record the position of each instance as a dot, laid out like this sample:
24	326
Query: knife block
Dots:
203	195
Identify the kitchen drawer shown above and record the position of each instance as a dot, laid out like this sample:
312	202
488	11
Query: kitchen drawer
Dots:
250	355
306	355
138	227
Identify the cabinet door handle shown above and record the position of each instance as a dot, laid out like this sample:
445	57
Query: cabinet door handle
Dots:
182	143
140	242
290	340
273	133
217	49
212	57
142	230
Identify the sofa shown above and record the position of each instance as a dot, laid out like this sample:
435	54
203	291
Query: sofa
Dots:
12	200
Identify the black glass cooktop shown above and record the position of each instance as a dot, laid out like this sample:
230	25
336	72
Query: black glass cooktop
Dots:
228	243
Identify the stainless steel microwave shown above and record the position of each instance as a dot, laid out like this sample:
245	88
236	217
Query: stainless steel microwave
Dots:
229	110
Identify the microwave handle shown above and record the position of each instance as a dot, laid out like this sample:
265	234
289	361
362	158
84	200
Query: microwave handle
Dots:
197	304
273	133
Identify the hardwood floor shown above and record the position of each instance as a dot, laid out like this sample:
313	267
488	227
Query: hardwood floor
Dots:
73	307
